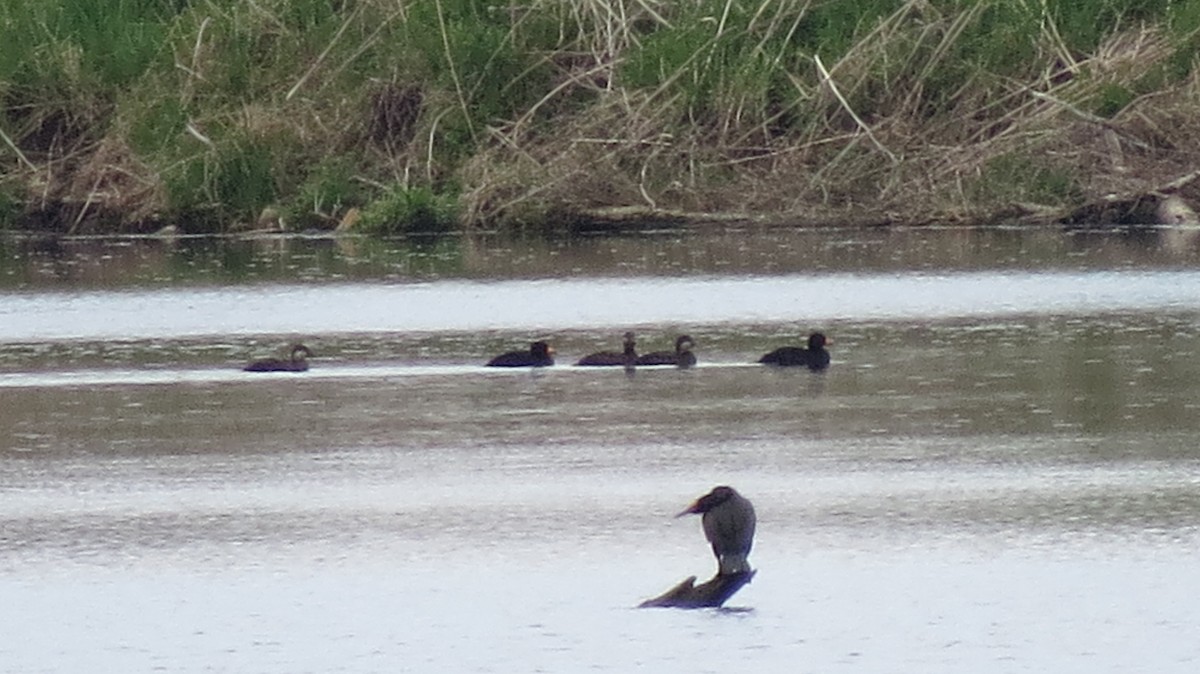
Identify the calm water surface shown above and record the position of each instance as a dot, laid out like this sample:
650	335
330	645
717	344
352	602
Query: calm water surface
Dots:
999	472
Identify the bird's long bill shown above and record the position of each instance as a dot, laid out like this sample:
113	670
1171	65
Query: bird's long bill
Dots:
690	510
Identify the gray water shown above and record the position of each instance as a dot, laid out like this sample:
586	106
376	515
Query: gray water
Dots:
998	473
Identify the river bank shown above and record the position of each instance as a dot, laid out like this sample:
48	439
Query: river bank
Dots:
458	115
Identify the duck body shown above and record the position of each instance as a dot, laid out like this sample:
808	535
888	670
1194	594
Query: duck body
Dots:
728	519
627	358
296	363
814	357
681	357
539	354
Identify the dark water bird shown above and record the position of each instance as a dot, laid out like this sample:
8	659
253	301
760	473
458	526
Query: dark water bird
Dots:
627	358
296	363
728	519
815	357
539	354
682	356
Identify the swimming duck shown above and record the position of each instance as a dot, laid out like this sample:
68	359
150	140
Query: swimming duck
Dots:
539	354
296	363
682	356
627	358
815	357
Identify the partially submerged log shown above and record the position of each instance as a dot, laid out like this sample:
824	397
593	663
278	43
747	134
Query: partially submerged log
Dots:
1173	210
1164	204
710	594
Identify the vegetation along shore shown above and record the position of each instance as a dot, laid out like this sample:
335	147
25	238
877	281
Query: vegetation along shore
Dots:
391	116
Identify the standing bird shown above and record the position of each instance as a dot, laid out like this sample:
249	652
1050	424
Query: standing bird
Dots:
296	363
728	519
815	357
627	358
540	354
682	357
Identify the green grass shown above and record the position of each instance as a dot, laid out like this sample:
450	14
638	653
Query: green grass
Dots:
416	210
465	109
1010	178
10	207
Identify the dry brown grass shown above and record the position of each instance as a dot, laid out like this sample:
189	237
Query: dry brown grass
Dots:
115	185
630	150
